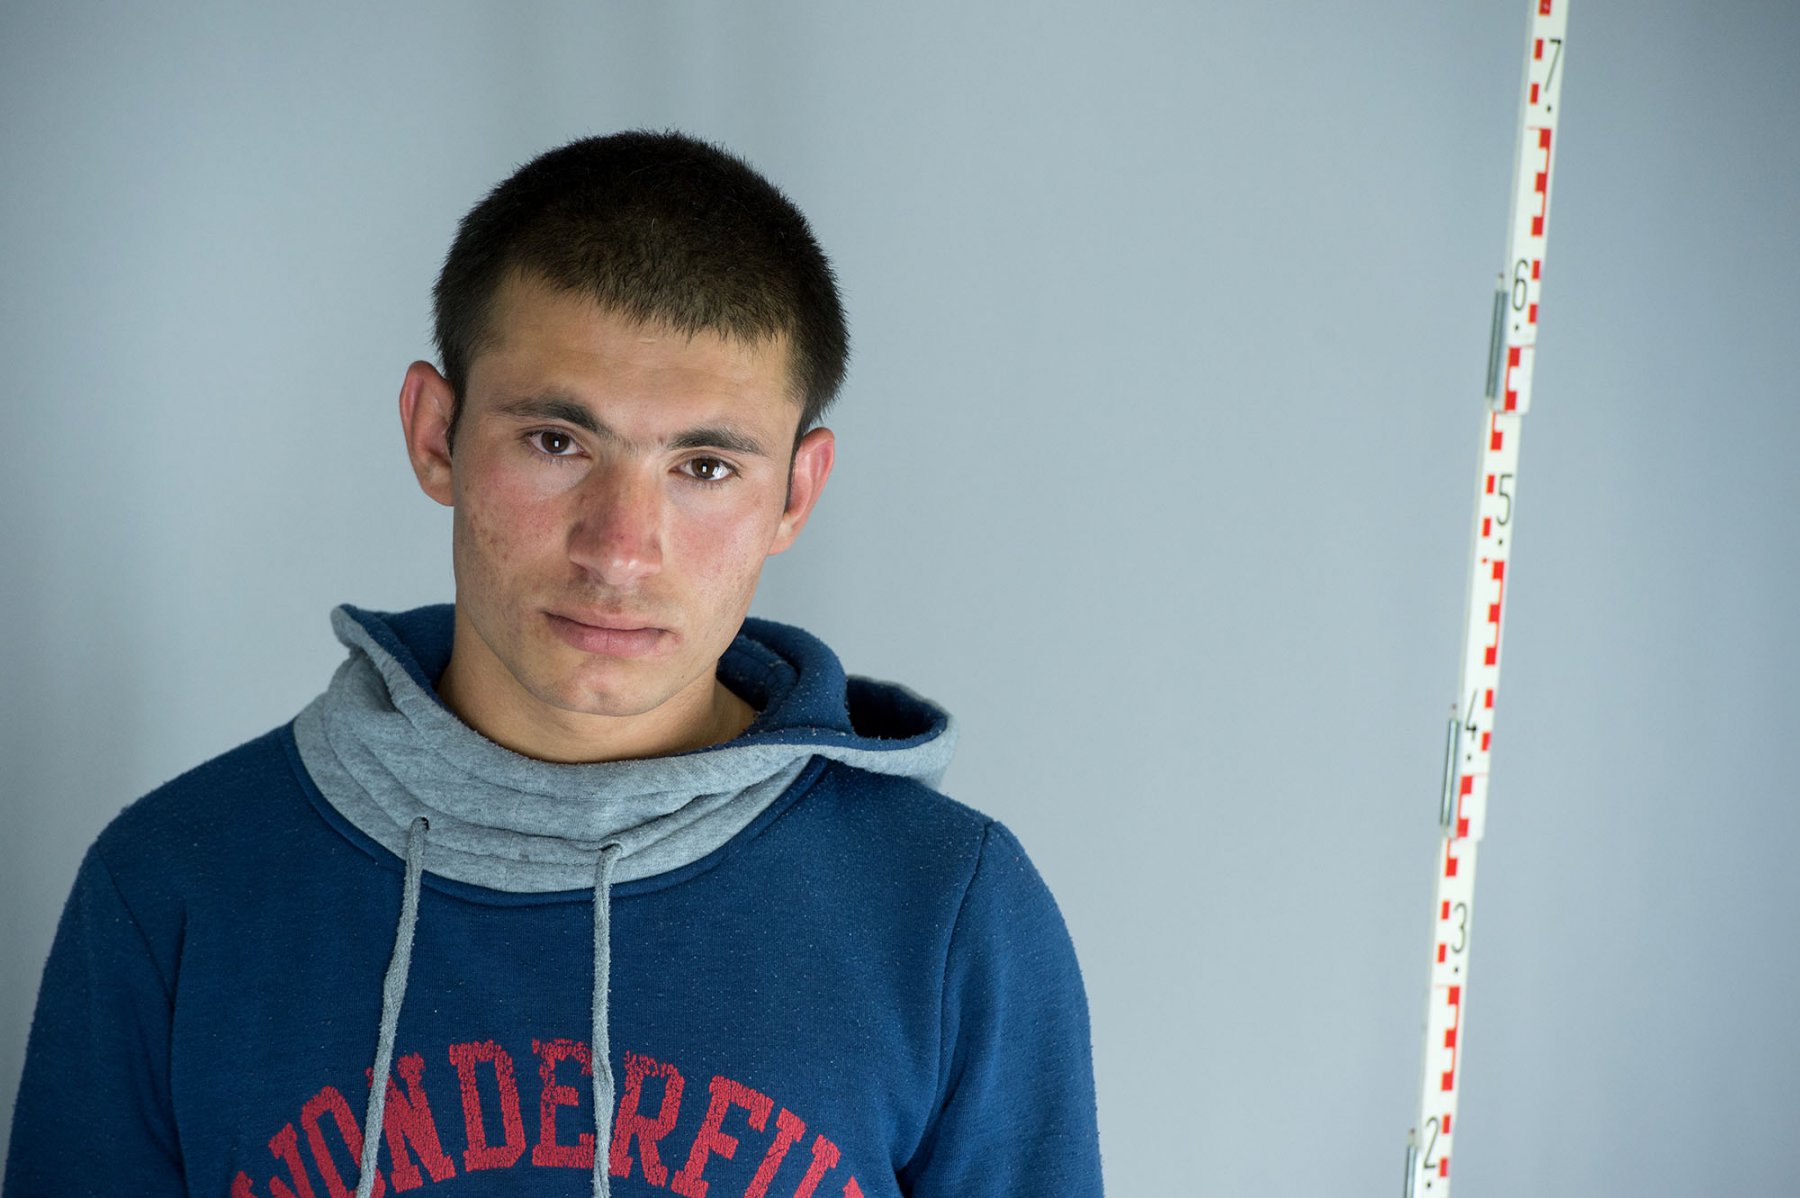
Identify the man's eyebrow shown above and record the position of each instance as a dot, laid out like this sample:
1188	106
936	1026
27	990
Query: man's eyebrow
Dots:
557	407
718	436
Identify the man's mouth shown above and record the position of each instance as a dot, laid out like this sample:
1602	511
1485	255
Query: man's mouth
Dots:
610	635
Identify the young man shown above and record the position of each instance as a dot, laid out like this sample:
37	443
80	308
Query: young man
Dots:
586	883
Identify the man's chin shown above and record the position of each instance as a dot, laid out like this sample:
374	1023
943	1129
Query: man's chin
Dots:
614	698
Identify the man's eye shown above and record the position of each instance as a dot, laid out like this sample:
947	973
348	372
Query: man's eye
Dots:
709	470
556	444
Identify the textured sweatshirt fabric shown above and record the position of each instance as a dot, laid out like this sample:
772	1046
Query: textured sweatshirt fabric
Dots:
820	978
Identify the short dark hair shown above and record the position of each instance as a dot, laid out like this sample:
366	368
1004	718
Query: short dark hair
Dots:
661	227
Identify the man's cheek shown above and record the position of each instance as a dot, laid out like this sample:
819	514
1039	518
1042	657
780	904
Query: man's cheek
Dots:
508	535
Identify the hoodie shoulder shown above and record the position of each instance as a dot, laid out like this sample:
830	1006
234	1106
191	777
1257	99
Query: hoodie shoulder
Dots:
890	821
206	799
219	821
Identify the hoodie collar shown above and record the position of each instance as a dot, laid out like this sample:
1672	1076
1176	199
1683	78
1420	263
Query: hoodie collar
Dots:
384	751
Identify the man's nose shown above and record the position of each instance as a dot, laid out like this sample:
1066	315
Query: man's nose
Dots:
618	531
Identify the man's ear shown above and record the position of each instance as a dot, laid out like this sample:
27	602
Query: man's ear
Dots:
426	403
806	479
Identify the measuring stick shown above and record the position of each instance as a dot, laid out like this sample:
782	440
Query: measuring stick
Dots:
1468	749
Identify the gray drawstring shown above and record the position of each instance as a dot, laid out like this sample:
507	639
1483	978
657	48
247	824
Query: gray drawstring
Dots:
393	989
599	1045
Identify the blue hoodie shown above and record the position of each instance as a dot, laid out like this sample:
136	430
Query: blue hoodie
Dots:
809	974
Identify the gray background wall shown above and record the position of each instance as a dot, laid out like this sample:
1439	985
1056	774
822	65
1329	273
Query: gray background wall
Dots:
1156	466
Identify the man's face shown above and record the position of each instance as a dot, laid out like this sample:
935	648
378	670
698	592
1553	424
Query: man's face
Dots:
617	488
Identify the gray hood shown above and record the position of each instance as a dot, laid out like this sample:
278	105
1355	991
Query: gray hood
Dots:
384	750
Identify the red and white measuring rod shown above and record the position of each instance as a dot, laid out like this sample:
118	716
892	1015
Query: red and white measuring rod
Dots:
1470	739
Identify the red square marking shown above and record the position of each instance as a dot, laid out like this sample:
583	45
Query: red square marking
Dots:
1537	48
1493	613
1446	1123
1543	8
1534	93
1449	1082
1531	314
1449	863
1440	954
1462	827
1537	269
1455	1001
1493	655
1468	784
1445	913
1450	1037
1488	699
1490	484
1495	440
1499	570
1487	526
1443	1166
1487	738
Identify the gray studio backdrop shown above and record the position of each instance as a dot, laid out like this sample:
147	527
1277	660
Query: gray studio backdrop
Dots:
1157	466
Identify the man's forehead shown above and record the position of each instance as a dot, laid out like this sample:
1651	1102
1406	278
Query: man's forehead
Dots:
529	308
